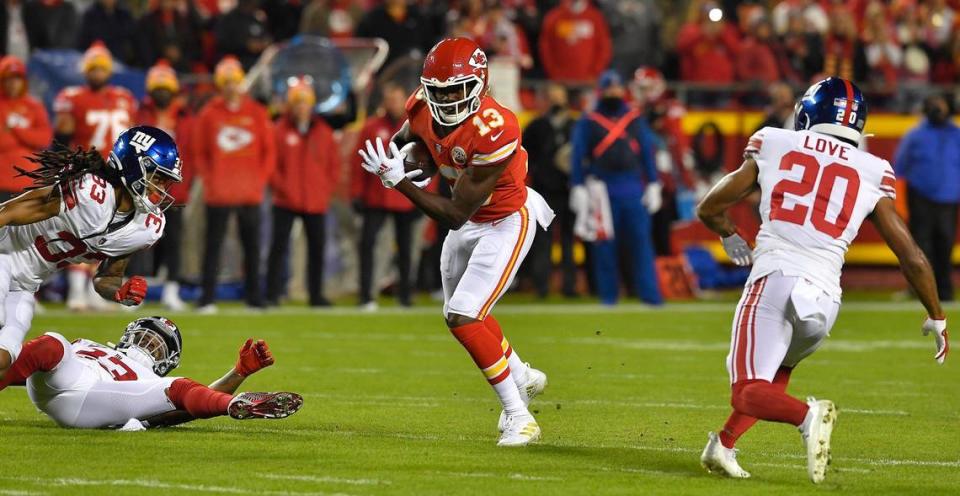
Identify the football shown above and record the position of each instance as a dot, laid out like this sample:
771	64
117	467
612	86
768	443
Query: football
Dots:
418	157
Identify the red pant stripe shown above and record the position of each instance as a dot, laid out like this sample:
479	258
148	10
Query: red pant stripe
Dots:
753	329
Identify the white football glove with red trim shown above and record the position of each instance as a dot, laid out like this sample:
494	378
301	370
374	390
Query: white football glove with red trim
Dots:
389	169
939	330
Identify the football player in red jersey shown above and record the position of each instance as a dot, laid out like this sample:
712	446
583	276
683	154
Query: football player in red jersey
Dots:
492	215
91	116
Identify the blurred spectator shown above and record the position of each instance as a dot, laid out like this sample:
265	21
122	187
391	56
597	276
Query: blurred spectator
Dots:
283	17
546	140
488	24
402	26
24	125
243	33
707	47
575	42
635	33
235	154
59	23
376	203
307	174
843	53
756	61
884	56
801	52
928	159
808	13
110	22
171	31
21	28
780	110
615	145
164	108
330	18
91	116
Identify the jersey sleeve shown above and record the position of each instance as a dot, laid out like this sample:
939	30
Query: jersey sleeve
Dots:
64	101
86	206
495	141
754	145
888	182
415	102
143	231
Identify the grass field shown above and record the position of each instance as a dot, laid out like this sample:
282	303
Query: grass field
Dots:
393	405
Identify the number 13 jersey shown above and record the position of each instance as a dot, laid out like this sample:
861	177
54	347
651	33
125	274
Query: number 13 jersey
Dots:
486	139
816	192
77	234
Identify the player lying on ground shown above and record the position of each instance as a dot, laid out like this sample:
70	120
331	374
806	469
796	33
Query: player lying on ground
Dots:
816	190
83	209
475	141
88	385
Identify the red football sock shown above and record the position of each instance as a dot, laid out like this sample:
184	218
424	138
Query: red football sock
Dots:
767	401
485	350
198	400
738	423
494	327
38	355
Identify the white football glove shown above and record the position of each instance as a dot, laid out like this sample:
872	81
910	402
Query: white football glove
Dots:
579	199
737	249
653	197
388	168
939	329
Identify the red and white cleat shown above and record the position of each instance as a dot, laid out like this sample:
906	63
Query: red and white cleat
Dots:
264	405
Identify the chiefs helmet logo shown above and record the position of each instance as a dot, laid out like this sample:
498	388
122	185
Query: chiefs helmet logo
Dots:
478	59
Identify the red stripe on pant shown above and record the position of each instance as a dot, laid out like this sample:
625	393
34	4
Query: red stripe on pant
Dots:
753	330
747	313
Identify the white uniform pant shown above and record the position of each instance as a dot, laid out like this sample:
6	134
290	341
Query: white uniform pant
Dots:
19	307
479	261
75	395
780	320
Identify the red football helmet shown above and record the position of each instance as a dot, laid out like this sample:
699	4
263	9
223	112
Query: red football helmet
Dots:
454	80
648	85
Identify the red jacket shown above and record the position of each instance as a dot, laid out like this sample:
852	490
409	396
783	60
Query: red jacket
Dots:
234	151
177	122
706	58
24	129
756	62
308	167
366	187
574	46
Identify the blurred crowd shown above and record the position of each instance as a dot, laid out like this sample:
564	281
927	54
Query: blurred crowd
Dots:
278	170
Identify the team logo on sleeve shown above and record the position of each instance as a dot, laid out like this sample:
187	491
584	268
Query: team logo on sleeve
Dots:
142	142
458	155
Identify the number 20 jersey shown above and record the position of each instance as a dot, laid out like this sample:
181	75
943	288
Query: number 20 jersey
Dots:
816	192
76	234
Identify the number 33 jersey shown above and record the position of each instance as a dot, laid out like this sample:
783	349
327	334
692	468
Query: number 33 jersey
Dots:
77	234
488	138
816	192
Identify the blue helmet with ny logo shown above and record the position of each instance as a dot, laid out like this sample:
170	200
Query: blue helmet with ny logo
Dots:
148	162
833	106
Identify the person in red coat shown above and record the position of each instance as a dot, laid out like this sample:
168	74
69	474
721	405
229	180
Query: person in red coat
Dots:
376	203
24	127
163	108
235	154
308	169
575	42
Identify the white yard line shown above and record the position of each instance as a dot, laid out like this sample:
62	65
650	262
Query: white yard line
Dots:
156	484
325	479
494	475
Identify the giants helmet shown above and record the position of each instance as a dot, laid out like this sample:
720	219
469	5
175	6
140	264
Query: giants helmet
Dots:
454	65
153	342
834	106
139	155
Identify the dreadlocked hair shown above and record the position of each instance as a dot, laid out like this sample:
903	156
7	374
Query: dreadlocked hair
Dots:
61	165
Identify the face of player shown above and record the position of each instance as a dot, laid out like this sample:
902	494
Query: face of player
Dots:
158	188
453	99
97	77
13	86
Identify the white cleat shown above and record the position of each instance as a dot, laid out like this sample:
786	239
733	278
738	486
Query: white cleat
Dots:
520	430
208	309
171	297
816	431
533	384
718	459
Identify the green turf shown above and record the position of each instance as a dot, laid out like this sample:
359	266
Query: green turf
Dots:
394	406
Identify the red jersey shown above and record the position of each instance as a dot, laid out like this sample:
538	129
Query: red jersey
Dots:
100	115
489	138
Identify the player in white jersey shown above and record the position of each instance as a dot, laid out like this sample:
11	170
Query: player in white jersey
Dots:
85	384
817	188
83	209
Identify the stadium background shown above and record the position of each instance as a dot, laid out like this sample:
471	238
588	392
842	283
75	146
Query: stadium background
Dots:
899	52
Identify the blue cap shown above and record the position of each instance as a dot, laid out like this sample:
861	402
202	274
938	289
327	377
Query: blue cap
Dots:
609	78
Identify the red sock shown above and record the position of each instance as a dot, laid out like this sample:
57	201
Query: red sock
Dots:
38	355
198	400
738	423
494	327
485	350
767	401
